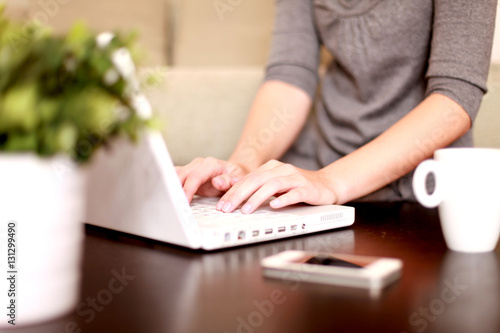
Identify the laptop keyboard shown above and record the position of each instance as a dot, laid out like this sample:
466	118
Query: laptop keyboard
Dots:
204	210
236	227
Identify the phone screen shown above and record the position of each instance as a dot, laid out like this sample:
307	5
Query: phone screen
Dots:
327	260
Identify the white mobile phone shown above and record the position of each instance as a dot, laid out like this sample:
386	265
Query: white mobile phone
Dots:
332	268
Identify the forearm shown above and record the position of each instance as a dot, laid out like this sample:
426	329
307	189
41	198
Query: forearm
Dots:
276	117
433	124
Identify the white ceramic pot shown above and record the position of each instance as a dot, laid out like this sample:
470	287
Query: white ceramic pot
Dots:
42	204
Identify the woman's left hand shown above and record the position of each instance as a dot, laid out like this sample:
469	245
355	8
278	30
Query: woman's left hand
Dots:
289	184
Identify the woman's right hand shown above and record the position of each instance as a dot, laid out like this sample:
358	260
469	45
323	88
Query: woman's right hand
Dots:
209	176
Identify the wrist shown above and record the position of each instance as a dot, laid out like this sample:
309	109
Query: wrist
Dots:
335	185
247	160
240	164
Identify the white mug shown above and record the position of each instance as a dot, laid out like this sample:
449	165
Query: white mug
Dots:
467	191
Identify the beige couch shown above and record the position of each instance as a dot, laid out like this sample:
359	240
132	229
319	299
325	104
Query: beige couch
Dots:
211	54
174	32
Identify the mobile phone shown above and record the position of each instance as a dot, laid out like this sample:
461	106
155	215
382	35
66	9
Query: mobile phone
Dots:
333	268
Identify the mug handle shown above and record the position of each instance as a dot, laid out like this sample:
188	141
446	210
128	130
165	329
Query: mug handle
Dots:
419	184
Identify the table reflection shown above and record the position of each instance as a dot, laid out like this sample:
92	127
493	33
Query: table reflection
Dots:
209	273
468	298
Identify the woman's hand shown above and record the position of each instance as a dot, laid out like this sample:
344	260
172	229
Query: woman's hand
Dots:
290	184
209	176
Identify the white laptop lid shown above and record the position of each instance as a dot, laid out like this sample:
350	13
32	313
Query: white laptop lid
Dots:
134	188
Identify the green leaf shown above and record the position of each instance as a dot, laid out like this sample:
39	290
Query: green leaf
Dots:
18	108
56	95
21	142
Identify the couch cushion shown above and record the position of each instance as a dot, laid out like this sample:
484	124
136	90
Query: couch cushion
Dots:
203	109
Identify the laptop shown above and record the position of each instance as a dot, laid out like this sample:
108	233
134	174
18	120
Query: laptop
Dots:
134	188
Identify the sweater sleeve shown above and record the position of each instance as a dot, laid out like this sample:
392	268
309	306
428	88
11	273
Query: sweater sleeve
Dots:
462	37
294	56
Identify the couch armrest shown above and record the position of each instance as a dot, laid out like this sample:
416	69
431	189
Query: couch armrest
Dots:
486	128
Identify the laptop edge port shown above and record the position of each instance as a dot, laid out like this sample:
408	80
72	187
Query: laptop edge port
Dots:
241	235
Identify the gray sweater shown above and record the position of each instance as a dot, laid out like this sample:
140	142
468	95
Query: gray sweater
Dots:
388	55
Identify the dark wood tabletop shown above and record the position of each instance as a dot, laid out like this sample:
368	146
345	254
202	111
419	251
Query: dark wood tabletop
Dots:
131	284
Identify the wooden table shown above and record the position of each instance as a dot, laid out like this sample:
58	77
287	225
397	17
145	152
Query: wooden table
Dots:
131	284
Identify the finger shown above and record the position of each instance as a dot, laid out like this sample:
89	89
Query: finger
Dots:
208	190
257	177
191	186
270	188
222	183
225	181
291	197
184	171
203	173
242	190
234	180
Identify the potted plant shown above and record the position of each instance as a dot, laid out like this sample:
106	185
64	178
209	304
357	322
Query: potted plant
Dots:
61	99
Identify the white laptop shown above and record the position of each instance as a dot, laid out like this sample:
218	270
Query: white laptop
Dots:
134	188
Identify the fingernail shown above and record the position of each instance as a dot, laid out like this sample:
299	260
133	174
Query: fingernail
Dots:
220	204
219	181
226	207
276	203
247	208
